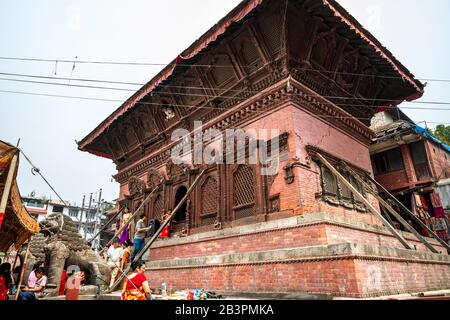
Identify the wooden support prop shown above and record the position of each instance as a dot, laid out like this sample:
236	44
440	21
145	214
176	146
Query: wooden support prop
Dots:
364	200
156	235
132	217
22	271
106	225
412	215
391	210
8	186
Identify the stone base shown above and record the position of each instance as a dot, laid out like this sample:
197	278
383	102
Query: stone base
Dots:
317	254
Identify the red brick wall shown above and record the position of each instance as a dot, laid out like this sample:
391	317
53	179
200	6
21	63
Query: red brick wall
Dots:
319	276
393	276
344	277
310	235
439	160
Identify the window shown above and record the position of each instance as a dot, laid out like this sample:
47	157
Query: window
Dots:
387	161
58	209
337	193
73	212
34	204
420	160
91	215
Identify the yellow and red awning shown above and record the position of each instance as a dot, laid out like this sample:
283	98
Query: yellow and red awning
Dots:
16	225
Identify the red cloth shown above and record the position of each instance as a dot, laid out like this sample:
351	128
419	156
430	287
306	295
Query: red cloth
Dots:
136	282
436	200
3	289
62	284
165	233
439	212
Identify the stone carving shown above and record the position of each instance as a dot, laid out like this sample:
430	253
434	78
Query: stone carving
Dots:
60	245
154	178
136	186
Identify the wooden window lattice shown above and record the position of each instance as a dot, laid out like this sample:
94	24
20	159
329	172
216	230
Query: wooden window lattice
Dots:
244	192
209	196
158	207
336	193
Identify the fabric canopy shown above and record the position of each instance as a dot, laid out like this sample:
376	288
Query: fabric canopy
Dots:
17	225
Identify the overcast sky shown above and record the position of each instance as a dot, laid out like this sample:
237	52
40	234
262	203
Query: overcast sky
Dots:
416	32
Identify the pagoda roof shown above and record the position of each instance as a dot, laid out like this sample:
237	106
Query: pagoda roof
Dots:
328	9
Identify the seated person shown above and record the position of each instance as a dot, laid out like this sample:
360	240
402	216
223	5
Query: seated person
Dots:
37	291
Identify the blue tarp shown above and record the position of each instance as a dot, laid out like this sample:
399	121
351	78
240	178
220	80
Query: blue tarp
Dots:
425	133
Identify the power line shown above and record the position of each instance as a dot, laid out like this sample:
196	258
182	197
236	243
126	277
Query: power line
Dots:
34	170
114	62
221	96
158	104
186	106
179	105
429	79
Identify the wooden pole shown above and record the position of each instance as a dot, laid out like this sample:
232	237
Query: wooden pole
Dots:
393	212
412	215
8	186
163	225
132	217
24	265
364	200
106	225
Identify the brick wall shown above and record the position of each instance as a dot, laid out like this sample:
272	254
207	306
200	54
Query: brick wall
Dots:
350	277
319	233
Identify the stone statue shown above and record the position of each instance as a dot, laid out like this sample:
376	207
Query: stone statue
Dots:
59	245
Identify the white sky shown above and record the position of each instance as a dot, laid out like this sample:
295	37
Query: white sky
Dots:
416	32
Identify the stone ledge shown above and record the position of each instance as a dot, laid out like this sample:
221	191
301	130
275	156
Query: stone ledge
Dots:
304	254
287	223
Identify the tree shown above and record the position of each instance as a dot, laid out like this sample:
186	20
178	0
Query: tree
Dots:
442	132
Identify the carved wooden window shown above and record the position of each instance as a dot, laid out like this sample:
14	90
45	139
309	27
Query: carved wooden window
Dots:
244	192
158	207
329	182
336	193
209	198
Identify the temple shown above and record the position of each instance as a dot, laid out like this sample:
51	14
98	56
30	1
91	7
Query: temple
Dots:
308	69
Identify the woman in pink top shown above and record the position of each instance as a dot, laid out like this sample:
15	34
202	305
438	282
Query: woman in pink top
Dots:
32	277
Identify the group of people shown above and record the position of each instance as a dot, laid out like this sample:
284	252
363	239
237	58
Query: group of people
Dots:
34	288
119	255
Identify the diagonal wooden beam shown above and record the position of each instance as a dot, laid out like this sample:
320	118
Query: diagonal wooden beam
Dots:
163	225
412	215
364	200
392	211
132	217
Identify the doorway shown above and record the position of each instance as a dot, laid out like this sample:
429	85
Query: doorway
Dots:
181	214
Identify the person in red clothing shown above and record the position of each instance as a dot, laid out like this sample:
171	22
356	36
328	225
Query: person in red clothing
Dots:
5	280
136	286
166	231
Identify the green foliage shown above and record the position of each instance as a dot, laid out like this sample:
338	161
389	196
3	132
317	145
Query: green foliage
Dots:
442	132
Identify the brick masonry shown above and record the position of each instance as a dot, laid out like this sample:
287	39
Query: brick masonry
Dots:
314	253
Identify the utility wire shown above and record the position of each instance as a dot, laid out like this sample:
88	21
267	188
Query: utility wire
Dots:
429	79
167	86
192	88
35	170
157	104
187	106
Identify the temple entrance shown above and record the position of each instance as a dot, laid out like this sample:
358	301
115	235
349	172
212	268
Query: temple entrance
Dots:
181	214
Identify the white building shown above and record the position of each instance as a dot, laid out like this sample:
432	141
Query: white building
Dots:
89	221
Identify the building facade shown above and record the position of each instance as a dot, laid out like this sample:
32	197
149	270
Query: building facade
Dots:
309	70
89	221
415	167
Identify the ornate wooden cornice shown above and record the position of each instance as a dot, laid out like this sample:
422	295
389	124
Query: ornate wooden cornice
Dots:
268	100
